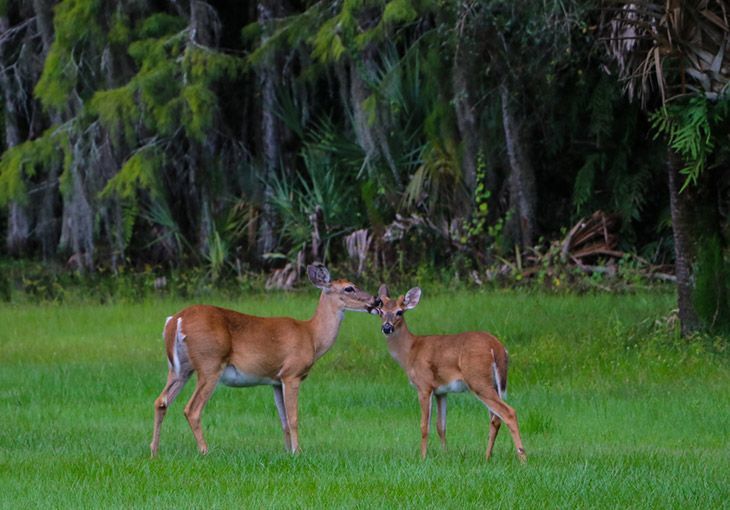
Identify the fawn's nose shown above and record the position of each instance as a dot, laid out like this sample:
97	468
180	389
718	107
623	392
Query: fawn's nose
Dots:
387	328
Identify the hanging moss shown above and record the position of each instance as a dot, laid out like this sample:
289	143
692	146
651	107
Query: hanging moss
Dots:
201	106
120	31
22	162
65	184
118	112
140	171
207	66
12	182
78	40
159	25
327	44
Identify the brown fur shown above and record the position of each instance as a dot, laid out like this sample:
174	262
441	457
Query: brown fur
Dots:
279	349
434	361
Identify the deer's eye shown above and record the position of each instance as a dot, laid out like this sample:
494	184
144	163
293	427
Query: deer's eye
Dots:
349	289
399	313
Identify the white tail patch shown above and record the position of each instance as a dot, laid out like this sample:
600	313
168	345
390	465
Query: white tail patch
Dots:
497	380
178	346
167	321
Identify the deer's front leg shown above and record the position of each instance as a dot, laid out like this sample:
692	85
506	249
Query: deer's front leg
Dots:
424	397
279	400
290	388
441	419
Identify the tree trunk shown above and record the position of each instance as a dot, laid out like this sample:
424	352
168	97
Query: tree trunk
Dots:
522	176
77	230
680	205
18	222
359	92
44	22
271	131
371	127
47	231
464	109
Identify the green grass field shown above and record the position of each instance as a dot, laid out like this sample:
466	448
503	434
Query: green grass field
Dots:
613	413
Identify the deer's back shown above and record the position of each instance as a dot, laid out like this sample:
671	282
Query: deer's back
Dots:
248	341
450	357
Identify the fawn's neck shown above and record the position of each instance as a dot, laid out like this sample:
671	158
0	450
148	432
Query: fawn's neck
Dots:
400	342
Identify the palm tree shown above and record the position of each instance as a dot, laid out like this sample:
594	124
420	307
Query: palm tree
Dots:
674	55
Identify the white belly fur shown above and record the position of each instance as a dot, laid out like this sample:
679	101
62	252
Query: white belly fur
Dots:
456	386
233	377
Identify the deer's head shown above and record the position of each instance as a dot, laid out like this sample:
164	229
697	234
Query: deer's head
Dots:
345	293
391	311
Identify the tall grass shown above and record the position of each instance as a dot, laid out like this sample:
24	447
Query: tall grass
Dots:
615	411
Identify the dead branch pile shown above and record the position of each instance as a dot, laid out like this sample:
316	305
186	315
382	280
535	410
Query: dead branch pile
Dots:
590	239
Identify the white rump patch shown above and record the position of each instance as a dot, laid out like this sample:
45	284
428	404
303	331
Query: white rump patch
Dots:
497	380
167	321
231	376
455	386
179	350
169	363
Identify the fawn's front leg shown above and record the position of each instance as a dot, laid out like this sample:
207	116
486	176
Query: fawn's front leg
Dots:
424	397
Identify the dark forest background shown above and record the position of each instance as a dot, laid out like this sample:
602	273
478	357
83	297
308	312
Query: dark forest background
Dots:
400	136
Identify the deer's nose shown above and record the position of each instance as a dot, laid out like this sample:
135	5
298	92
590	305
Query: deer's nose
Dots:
387	328
373	307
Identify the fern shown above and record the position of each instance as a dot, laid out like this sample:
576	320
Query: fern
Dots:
602	111
130	213
584	182
399	11
690	127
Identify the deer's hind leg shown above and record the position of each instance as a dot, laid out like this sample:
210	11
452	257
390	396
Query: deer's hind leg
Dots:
207	381
489	396
175	383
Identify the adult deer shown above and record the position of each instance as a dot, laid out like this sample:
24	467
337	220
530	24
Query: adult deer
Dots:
442	364
243	350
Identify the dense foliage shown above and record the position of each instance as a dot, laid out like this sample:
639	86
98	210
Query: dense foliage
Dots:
410	132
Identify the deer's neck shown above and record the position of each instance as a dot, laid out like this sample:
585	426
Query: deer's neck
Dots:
400	343
325	324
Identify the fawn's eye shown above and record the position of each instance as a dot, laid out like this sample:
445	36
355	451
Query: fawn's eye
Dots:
399	313
349	289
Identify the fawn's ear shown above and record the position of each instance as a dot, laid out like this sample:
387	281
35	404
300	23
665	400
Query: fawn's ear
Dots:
412	298
319	275
383	291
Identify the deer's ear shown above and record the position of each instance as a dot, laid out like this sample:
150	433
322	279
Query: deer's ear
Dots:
319	275
412	298
383	291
